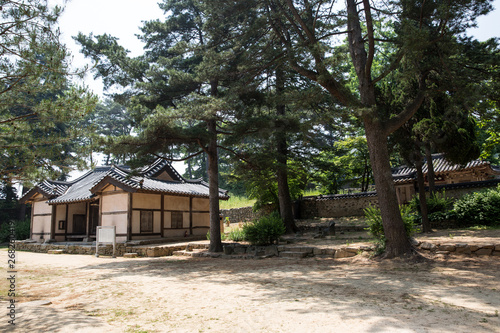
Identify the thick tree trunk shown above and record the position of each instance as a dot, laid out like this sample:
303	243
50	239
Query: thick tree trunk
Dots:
430	169
397	242
213	179
426	225
213	183
284	198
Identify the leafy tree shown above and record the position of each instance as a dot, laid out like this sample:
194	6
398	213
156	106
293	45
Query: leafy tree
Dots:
307	31
39	114
176	90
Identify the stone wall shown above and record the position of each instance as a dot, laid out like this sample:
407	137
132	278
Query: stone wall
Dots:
336	205
244	214
339	205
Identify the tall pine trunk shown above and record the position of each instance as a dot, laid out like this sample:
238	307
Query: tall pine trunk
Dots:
397	242
430	168
284	198
426	225
213	180
213	183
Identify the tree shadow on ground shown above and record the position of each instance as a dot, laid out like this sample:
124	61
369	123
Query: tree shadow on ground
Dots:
393	294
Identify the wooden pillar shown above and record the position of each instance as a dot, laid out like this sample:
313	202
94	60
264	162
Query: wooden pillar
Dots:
32	218
162	215
87	233
66	223
190	215
53	223
129	217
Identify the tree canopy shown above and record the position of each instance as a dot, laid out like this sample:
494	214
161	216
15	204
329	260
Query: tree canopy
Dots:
40	112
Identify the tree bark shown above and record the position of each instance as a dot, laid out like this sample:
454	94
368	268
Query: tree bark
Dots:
397	242
376	131
213	183
430	169
426	225
213	179
284	198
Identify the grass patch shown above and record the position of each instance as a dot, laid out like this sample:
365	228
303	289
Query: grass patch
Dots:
236	202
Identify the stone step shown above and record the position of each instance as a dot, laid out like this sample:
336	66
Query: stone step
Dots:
295	248
191	253
293	254
55	251
130	255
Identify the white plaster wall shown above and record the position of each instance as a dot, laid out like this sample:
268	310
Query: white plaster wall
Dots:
41	207
157	222
176	203
201	204
185	220
136	221
201	220
200	231
114	202
168	220
146	201
174	232
60	216
118	220
41	224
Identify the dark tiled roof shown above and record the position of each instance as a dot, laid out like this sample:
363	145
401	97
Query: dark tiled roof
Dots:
80	189
347	196
441	165
478	184
85	187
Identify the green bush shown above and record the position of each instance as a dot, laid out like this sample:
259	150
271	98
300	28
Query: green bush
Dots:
21	230
264	231
376	229
437	202
236	235
480	208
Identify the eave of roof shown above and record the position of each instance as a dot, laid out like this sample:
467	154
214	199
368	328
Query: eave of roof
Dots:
441	165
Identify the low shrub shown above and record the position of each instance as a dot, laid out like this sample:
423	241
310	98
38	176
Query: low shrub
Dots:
437	204
21	230
264	231
236	235
479	208
376	229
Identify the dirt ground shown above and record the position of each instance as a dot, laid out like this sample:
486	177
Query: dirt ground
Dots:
182	294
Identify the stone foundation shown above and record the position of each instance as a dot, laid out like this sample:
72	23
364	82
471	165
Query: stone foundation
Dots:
237	250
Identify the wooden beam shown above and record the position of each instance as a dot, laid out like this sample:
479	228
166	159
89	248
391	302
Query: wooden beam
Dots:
162	217
190	215
129	217
53	222
87	205
66	223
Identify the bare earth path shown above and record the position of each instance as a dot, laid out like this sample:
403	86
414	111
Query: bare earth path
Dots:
171	294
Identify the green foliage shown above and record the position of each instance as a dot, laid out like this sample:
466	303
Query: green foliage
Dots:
236	235
264	231
40	115
21	230
438	207
236	202
376	229
480	208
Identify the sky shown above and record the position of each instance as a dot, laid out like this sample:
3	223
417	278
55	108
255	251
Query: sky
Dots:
122	19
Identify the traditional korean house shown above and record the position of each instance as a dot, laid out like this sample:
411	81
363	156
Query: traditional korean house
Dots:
448	176
157	202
